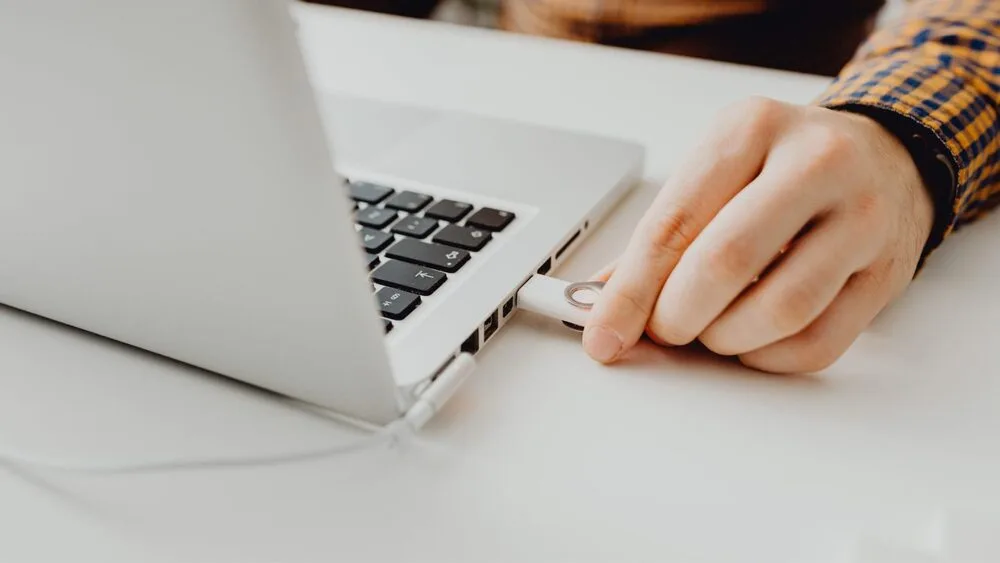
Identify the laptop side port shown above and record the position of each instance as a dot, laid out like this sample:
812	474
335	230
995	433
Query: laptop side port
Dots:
490	326
568	244
471	344
545	267
508	307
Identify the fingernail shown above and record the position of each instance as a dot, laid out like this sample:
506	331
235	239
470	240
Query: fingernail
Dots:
603	344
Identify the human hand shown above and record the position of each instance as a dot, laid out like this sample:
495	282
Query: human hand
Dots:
778	240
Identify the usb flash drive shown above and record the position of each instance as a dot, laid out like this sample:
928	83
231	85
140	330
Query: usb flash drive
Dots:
565	301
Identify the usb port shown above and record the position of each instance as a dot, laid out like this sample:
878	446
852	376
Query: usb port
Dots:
490	326
545	267
508	307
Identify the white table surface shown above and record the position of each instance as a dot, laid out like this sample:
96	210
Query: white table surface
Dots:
543	455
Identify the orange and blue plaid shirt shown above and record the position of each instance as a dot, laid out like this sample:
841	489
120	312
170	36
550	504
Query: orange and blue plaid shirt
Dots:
939	66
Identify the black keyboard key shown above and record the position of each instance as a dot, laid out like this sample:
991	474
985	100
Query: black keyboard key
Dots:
369	193
376	218
400	275
388	325
396	304
463	237
448	210
408	201
372	260
490	219
375	241
427	254
414	226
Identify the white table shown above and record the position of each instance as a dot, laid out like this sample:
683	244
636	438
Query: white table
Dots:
544	455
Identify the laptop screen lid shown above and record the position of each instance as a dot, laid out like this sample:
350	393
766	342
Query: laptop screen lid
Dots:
166	183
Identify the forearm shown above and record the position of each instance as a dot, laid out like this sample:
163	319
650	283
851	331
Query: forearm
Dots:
938	67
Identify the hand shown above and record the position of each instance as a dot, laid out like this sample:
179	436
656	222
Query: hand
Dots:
778	240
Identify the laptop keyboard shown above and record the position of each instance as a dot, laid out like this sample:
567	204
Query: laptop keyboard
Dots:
413	241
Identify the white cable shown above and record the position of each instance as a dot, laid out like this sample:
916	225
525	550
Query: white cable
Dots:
390	434
429	402
541	294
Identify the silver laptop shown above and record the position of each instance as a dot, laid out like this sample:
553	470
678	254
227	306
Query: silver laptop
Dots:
167	181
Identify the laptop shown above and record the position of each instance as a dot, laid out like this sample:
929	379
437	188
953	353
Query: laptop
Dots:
171	180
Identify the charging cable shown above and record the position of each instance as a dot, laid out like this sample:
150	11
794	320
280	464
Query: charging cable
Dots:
428	403
561	300
389	435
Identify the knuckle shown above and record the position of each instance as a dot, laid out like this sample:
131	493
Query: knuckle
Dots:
794	307
730	260
627	300
761	114
756	108
834	144
754	116
672	232
831	149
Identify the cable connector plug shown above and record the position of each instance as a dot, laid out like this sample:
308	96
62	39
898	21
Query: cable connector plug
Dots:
438	392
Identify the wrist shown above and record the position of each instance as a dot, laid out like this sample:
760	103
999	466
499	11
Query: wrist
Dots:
901	170
933	164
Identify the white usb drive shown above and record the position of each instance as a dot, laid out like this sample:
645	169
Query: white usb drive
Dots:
569	302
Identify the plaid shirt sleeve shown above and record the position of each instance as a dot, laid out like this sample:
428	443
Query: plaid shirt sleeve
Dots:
938	68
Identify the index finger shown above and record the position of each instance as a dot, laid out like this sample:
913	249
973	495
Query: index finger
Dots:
685	205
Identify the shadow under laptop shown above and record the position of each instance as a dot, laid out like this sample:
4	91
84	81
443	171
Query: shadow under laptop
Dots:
101	407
